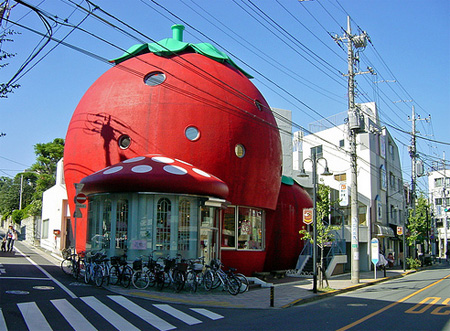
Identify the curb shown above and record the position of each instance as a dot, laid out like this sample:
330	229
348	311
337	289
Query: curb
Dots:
344	290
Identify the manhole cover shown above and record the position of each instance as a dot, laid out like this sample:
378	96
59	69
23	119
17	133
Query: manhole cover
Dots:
18	292
44	288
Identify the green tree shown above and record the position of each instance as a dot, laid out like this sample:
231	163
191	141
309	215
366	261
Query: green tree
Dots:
418	223
325	231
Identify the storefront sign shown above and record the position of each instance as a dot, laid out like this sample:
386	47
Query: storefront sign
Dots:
307	215
343	194
399	230
374	245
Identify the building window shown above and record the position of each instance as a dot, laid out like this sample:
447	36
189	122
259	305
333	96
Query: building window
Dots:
342	143
239	150
45	224
184	224
122	224
247	223
163	217
124	141
392	181
438	182
383	177
438	201
106	223
391	151
192	133
154	78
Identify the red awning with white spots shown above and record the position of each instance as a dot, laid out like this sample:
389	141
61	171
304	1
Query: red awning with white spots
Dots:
154	173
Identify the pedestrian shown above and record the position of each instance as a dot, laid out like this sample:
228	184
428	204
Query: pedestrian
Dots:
11	235
4	244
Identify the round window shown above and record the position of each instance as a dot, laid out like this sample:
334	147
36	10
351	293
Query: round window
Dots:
239	149
124	141
192	133
154	78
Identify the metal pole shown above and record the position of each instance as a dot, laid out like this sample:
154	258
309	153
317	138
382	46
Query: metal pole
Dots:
314	180
354	172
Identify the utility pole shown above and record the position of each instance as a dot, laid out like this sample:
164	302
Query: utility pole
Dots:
355	125
444	203
413	155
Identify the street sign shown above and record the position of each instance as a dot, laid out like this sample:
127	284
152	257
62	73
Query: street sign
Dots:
80	198
77	213
307	215
343	194
375	251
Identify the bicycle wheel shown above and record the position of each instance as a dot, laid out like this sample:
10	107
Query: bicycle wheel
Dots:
216	280
114	275
244	283
233	284
179	280
140	279
98	275
191	281
208	280
127	274
87	273
151	278
160	280
66	266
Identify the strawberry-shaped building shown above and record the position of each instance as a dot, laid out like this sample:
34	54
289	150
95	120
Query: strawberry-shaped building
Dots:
179	152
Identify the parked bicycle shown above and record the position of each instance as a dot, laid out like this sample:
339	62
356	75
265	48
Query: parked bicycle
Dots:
229	281
73	263
121	272
95	268
197	275
143	274
172	274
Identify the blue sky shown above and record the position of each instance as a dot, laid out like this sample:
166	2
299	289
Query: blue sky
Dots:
286	45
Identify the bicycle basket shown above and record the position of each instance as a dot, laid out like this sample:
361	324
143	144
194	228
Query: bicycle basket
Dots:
137	265
182	267
198	266
169	263
115	260
66	253
123	260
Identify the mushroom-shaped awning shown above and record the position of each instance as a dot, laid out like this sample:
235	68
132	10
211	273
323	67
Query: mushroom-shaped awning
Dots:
154	173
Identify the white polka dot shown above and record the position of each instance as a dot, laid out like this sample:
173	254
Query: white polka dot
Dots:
140	169
112	170
134	159
201	172
162	159
175	170
184	162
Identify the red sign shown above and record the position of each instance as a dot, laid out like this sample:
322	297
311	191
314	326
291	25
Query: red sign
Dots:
307	215
80	198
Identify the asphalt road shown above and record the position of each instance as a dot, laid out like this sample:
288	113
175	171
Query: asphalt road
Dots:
36	295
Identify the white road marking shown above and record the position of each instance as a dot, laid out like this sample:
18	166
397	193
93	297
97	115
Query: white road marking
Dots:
178	314
33	317
207	313
72	315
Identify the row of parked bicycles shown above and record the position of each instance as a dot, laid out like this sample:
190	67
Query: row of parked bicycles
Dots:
162	272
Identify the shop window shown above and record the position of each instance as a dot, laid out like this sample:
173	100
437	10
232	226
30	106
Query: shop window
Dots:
122	224
163	217
383	177
247	223
106	223
45	224
229	228
184	225
341	177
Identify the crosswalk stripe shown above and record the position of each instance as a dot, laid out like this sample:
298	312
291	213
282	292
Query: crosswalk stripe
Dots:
72	315
108	314
207	313
2	322
33	317
178	314
147	316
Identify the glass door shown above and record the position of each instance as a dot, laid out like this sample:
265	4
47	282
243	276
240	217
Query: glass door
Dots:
209	233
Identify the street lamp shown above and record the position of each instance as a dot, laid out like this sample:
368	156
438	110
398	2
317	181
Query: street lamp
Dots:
314	160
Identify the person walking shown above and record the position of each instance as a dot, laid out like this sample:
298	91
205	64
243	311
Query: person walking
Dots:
11	235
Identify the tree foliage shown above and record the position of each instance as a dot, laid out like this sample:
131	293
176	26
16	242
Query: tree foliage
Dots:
325	231
418	223
34	181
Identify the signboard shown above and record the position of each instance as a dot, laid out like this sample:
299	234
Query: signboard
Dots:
80	198
343	194
374	248
399	230
307	215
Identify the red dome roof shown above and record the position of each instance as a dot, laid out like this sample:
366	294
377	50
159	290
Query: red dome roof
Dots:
154	173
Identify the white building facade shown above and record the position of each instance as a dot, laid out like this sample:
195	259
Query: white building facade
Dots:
55	227
380	184
439	198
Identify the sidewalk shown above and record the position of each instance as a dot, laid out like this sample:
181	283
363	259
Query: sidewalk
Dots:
286	292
